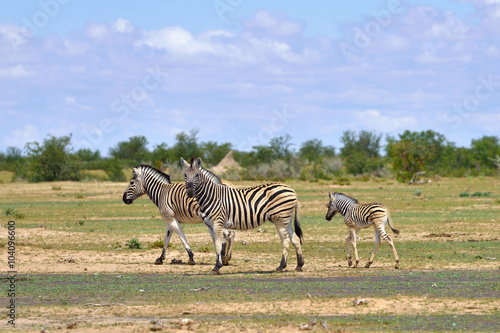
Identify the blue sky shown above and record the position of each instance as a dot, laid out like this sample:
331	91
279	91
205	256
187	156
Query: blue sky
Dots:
245	71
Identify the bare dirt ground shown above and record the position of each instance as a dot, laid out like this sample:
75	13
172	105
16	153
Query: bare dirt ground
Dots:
126	318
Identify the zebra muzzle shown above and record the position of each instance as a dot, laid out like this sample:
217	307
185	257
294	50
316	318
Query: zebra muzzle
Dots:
126	200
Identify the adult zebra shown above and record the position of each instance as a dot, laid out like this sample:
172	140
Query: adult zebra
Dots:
243	209
357	216
174	205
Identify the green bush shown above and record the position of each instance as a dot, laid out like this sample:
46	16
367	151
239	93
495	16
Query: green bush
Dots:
13	213
134	243
49	161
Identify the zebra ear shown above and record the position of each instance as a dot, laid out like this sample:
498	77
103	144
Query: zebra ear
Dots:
330	196
198	163
136	172
184	163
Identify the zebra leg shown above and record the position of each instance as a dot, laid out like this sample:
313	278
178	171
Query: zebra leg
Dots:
166	241
285	242
225	241
354	247
347	242
229	238
218	235
296	244
391	244
377	244
177	228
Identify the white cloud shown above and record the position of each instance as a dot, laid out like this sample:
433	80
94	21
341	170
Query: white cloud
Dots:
97	30
122	26
176	40
14	34
276	24
18	138
15	72
375	120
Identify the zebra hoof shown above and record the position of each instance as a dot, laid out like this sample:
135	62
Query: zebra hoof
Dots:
349	263
279	269
368	265
214	272
298	268
225	260
397	265
191	262
159	261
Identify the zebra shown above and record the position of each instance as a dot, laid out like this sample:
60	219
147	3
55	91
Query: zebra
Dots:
357	216
174	205
244	209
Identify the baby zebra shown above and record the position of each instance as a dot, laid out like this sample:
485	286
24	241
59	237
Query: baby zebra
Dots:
357	216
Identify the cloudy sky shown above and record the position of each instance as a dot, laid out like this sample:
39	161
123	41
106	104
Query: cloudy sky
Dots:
246	71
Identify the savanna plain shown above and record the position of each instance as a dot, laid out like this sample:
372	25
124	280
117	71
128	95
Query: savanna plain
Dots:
76	270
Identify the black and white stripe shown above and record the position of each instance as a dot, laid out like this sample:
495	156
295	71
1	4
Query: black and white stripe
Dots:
243	209
358	216
174	205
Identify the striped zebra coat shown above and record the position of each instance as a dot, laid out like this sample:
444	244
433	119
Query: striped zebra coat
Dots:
174	205
358	216
243	209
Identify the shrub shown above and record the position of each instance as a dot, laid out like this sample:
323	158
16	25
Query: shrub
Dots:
134	243
14	213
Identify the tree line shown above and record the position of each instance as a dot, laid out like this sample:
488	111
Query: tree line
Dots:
406	155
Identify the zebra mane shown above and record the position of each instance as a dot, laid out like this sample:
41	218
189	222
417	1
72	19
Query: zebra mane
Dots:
154	173
211	176
345	197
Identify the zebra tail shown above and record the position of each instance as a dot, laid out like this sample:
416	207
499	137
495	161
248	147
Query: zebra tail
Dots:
394	230
296	223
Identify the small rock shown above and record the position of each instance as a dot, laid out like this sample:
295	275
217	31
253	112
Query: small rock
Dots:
186	321
71	325
357	302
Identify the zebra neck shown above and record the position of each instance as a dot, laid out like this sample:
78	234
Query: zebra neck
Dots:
205	193
344	206
153	189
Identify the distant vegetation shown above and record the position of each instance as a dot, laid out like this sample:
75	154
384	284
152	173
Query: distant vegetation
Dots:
361	155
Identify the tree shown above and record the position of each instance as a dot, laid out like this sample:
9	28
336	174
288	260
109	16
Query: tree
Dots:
113	169
11	159
360	152
87	155
186	145
133	151
313	151
483	150
414	152
50	161
160	155
281	148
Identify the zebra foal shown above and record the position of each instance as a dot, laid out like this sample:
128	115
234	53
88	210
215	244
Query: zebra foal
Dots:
174	205
358	216
244	209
